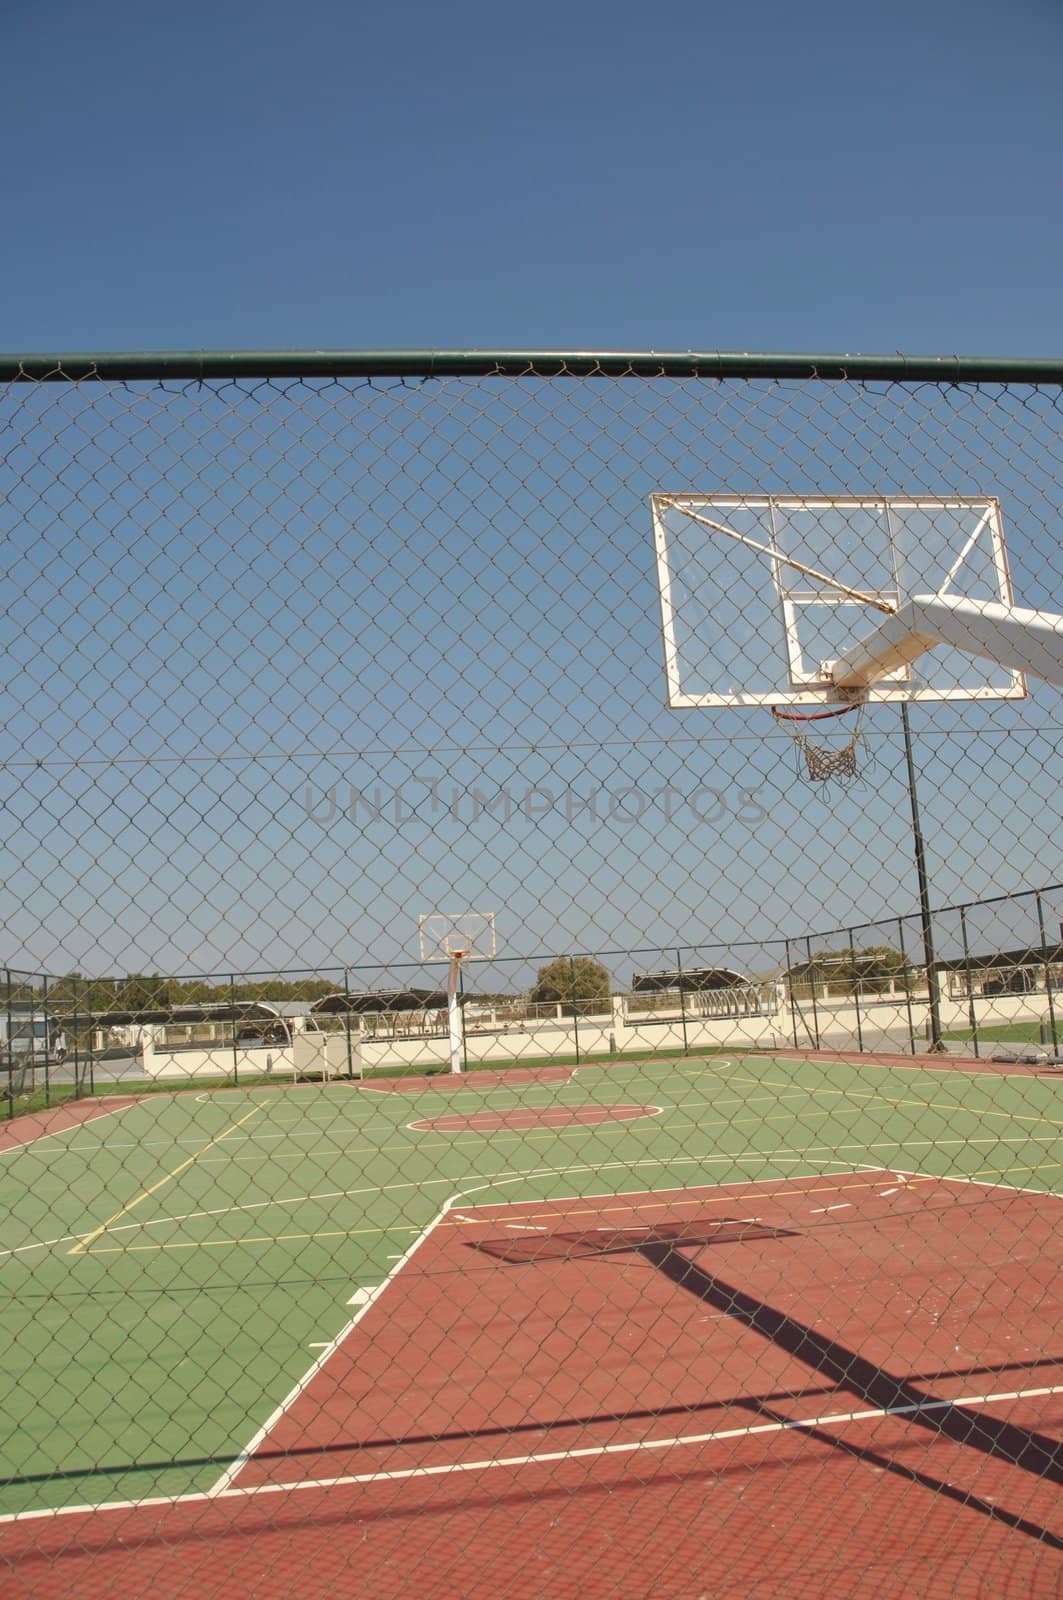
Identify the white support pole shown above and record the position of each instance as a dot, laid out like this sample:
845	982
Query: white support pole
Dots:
454	1016
1012	636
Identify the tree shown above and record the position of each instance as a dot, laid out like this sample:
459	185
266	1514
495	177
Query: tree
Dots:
570	979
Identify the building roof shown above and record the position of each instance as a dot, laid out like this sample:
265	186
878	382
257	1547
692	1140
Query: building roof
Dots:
689	980
216	1011
1029	956
378	1002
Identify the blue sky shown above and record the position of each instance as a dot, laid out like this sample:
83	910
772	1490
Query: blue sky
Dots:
254	627
740	176
285	666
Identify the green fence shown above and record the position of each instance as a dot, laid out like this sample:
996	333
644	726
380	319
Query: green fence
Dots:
729	1261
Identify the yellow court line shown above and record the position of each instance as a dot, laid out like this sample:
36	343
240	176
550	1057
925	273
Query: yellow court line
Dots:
491	1141
83	1244
485	1141
861	1181
855	1181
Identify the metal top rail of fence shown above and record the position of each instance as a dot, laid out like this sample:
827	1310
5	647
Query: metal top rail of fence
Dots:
214	364
533	972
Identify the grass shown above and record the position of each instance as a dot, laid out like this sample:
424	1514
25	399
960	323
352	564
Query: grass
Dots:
1005	1033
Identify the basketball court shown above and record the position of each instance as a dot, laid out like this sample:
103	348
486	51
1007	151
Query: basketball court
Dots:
733	1321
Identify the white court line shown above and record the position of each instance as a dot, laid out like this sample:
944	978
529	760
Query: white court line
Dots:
643	1113
333	1345
74	1127
832	1419
860	1065
700	1162
458	1198
223	1488
822	1155
360	1297
980	1183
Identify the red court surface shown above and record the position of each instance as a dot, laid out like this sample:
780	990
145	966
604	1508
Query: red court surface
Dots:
1011	1067
841	1385
472	1077
39	1124
525	1117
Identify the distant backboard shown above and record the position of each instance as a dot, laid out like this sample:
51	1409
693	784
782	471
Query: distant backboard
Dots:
760	594
470	934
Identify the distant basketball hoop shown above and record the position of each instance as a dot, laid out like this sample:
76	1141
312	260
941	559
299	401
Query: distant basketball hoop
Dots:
456	938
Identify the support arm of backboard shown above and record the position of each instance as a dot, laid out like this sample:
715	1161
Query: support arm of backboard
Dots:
1012	636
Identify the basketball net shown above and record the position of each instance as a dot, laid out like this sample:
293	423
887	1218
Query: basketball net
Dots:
823	762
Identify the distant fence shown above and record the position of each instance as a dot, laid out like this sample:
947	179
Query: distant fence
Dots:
998	980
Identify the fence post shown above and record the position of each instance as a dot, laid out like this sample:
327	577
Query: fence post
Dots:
1048	974
47	1042
9	1049
575	1003
75	1053
682	1001
812	987
856	994
232	1029
926	916
347	1019
92	1058
972	1013
907	986
790	993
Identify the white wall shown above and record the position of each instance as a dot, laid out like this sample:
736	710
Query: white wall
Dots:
880	1024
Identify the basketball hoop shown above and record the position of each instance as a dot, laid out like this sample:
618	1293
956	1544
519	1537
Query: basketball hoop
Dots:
823	763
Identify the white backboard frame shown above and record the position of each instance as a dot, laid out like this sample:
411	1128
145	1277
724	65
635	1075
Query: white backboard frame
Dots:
444	934
786	589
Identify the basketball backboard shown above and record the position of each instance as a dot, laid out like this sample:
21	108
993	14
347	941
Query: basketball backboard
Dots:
470	934
761	593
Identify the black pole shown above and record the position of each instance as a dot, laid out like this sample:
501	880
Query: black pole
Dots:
682	1002
790	992
856	992
812	985
10	1051
232	1027
575	1003
936	1043
47	1043
906	969
1048	975
347	1020
972	1014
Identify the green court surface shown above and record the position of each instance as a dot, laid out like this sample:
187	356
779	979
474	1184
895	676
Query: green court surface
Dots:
171	1269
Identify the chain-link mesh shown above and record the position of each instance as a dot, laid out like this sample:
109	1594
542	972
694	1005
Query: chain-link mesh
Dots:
729	1262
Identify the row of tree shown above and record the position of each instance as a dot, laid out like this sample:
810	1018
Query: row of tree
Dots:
565	981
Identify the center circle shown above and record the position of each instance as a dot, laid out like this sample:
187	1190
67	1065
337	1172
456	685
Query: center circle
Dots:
524	1118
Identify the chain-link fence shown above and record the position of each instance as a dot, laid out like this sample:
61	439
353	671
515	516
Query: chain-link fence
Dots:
728	1260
